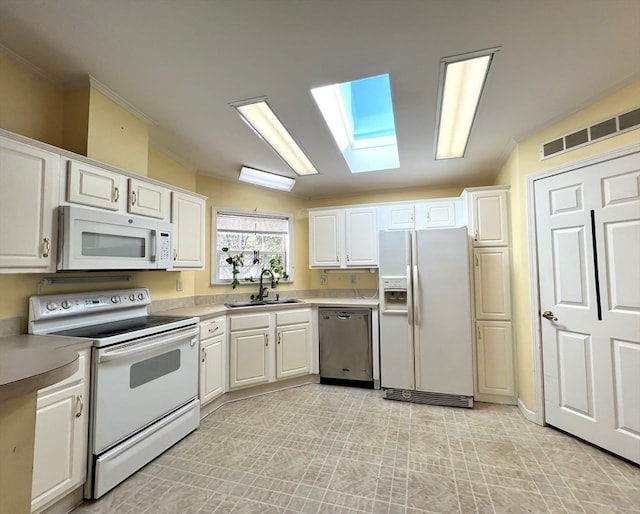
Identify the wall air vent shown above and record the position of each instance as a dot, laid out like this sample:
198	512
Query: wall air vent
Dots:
607	128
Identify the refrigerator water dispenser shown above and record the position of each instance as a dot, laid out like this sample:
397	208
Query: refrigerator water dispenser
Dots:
394	297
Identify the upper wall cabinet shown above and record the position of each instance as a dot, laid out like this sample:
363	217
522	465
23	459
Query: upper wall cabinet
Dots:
399	217
28	197
441	213
148	199
187	218
96	187
343	238
489	219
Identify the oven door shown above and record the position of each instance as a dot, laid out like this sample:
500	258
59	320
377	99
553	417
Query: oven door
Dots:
141	381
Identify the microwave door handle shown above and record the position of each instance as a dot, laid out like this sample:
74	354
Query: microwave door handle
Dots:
153	344
154	245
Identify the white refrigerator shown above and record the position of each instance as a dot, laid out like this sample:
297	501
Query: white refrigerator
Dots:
425	317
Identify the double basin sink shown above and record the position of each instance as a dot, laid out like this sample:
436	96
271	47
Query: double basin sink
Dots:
256	303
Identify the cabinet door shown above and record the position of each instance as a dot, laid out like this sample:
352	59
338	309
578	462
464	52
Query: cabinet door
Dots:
494	355
492	283
248	363
59	459
212	376
187	218
148	199
361	237
28	197
440	214
400	217
325	236
292	353
489	218
96	187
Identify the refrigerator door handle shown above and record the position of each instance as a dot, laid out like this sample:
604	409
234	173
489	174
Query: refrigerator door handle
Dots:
409	295
416	296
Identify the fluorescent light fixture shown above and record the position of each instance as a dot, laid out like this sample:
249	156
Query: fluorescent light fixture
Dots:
265	179
462	79
359	115
259	116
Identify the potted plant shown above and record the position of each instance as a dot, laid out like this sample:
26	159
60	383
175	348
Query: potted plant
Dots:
237	261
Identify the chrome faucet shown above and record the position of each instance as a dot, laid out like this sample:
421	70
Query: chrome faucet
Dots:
262	292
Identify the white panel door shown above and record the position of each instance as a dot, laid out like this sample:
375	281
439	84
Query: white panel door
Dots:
292	356
489	217
188	238
212	376
361	237
588	234
148	199
494	355
248	363
400	217
96	187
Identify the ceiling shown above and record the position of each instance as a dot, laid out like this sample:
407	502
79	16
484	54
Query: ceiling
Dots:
181	63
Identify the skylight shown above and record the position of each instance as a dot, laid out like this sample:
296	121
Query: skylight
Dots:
359	115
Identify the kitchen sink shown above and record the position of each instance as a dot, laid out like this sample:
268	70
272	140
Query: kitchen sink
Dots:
255	303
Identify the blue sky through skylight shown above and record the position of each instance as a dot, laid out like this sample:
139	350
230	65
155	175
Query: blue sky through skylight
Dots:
360	117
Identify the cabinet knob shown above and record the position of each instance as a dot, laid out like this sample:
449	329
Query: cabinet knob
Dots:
204	354
475	236
116	194
133	198
46	243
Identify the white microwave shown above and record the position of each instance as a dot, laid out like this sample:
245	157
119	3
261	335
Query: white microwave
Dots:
89	239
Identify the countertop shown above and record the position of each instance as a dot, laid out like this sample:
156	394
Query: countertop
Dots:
211	310
29	362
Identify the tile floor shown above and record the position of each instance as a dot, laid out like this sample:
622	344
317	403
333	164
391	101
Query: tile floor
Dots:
328	449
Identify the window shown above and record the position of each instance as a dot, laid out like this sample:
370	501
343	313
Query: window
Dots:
259	236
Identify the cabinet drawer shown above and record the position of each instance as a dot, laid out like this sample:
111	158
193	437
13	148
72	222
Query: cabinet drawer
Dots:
291	317
211	327
82	374
249	321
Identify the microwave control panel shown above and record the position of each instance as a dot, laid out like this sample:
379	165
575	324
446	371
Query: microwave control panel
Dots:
164	247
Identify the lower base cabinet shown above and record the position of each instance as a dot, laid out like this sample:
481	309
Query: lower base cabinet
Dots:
60	453
212	359
269	346
495	362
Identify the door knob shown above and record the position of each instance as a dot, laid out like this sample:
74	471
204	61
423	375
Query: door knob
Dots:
549	315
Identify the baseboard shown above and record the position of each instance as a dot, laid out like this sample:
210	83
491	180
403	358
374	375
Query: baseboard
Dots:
528	414
65	504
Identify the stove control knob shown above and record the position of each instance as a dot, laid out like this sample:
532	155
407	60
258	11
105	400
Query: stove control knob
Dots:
66	304
132	297
140	296
115	299
52	306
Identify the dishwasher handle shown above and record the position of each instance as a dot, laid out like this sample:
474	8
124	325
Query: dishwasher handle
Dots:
344	316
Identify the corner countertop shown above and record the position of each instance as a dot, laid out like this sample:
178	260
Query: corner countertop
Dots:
29	363
205	311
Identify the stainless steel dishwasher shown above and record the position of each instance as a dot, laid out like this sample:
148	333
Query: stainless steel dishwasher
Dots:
345	346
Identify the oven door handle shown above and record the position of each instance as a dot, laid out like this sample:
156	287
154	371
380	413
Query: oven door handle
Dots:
152	343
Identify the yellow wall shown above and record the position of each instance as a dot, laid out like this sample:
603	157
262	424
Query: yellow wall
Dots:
115	136
524	161
76	120
29	104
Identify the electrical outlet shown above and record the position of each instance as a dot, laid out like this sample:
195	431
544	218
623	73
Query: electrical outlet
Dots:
178	285
324	280
353	280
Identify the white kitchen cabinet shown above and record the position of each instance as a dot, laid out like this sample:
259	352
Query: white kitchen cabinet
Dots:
28	198
96	187
495	358
249	362
343	238
293	349
212	359
60	452
148	199
400	217
326	229
440	214
489	218
187	219
492	289
361	237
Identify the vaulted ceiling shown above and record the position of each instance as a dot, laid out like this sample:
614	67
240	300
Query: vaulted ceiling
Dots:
182	62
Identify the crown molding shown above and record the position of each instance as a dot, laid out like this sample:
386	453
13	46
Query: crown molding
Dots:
182	161
112	95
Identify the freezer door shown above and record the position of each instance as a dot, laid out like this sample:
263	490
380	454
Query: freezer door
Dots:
396	329
442	332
